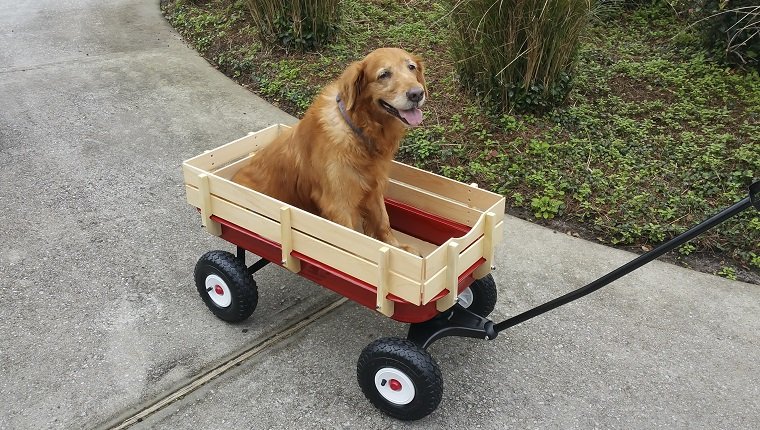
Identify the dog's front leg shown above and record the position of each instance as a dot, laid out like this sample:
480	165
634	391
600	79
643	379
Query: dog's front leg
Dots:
342	216
377	224
335	206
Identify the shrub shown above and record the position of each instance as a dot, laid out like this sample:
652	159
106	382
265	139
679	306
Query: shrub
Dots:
518	53
300	24
732	28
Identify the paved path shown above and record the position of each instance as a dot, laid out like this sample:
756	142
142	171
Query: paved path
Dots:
100	102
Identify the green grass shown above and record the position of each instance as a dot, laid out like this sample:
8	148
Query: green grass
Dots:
653	138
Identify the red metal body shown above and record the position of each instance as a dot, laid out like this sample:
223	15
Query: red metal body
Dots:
404	218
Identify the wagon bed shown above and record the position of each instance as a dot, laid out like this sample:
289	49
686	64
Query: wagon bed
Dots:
455	226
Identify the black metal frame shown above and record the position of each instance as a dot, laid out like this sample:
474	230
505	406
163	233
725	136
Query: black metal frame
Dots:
255	267
458	321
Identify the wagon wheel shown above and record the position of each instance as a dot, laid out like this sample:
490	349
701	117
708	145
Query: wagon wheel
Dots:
480	296
225	286
400	378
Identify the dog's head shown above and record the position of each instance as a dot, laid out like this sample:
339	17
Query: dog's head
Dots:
388	81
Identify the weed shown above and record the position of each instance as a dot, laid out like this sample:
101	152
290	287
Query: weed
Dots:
546	207
686	249
727	272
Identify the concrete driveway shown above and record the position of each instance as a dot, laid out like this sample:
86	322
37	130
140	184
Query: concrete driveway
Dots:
100	102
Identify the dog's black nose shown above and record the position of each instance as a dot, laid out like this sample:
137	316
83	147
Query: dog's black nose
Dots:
415	94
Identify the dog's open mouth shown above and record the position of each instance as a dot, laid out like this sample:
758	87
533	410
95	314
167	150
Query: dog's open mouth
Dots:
411	116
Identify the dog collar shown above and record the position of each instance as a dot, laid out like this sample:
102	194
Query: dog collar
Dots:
357	130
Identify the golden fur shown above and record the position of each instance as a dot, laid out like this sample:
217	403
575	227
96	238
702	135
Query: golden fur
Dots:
323	166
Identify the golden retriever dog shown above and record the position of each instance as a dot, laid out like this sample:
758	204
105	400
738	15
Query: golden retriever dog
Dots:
335	161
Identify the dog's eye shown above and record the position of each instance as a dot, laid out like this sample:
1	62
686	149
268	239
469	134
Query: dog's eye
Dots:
412	67
385	75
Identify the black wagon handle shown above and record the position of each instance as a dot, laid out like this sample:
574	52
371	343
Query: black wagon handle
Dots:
752	200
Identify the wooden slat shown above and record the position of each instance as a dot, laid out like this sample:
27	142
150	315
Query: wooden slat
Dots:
365	270
228	171
191	174
452	278
264	227
432	203
286	243
218	157
436	260
488	246
211	226
240	195
498	233
444	187
384	306
498	209
437	282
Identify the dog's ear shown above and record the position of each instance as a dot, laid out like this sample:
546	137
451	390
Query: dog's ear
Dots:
352	83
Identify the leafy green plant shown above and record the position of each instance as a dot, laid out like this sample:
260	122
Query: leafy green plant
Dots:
421	144
686	249
509	123
727	272
754	259
546	207
518	199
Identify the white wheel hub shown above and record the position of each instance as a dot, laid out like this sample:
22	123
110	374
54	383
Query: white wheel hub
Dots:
466	297
218	291
394	386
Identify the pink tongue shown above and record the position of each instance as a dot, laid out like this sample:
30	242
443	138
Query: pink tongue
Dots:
412	116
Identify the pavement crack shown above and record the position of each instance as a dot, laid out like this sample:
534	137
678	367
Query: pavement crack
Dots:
200	380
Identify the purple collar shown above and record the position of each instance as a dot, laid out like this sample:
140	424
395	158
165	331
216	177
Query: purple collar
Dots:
357	130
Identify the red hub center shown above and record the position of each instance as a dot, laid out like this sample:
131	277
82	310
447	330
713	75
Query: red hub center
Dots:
394	385
219	290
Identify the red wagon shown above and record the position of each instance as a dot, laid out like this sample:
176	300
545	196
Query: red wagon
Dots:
454	225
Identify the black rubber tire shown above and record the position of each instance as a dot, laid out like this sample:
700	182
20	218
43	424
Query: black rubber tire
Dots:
416	363
484	296
234	273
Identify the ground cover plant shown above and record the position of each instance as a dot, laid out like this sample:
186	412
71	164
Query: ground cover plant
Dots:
653	137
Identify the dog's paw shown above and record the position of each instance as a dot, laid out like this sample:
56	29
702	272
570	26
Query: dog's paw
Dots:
410	249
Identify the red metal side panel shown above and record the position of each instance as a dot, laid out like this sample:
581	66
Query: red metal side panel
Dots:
423	225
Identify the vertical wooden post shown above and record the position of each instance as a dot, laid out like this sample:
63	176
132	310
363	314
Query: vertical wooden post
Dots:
211	226
384	306
286	241
452	278
488	246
